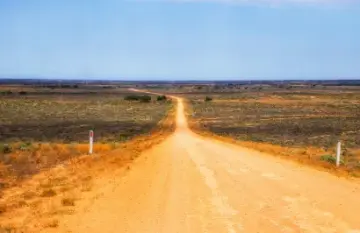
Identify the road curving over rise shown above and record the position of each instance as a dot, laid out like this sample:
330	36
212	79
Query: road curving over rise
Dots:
194	184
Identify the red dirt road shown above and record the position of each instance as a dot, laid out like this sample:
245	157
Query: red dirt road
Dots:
193	184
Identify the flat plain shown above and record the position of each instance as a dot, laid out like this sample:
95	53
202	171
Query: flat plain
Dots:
41	126
304	122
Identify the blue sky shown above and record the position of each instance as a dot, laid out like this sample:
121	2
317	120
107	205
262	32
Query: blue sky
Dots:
168	39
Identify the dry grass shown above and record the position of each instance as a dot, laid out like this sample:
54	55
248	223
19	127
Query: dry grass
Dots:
48	127
303	126
27	207
67	118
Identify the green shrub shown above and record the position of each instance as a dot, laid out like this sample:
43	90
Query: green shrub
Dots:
328	158
8	92
131	97
208	98
25	146
6	149
141	98
145	98
161	98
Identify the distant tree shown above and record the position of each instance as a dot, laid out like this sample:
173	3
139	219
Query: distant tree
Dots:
145	98
208	98
161	98
131	97
141	98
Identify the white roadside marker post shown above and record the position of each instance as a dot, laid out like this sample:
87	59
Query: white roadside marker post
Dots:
91	141
338	153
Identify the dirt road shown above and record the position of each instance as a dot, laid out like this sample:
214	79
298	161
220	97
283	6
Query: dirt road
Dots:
193	184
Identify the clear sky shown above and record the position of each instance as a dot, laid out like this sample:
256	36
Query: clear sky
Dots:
176	39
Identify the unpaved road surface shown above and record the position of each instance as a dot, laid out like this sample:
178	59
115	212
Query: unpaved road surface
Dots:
193	184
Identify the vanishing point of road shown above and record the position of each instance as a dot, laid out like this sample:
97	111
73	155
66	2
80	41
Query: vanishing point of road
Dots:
189	183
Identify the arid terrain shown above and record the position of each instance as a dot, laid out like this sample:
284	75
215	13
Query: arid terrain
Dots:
300	122
42	127
196	179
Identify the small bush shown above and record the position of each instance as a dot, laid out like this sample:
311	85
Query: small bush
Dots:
141	98
145	98
22	92
161	98
52	223
6	149
8	92
328	158
131	97
208	98
48	193
68	202
25	146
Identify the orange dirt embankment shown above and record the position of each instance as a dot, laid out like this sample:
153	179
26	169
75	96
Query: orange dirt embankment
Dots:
308	155
33	203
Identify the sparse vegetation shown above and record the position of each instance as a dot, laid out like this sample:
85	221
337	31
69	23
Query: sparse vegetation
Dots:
68	118
39	130
5	149
290	119
161	98
51	223
68	201
55	191
141	98
48	193
296	119
328	158
208	98
283	118
6	92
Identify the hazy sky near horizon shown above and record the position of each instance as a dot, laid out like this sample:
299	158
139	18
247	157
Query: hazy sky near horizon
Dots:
175	39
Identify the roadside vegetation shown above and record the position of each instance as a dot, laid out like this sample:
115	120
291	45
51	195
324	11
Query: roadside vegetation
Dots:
44	166
301	123
40	130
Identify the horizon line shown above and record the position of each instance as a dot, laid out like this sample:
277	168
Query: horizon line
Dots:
182	79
